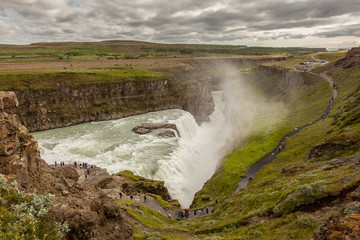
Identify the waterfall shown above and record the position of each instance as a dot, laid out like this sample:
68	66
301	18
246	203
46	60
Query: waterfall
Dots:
184	163
195	159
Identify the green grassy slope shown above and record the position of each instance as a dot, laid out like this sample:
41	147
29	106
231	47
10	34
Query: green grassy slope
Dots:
305	105
50	80
272	206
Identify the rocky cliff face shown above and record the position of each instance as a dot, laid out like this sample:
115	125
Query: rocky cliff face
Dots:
351	59
89	213
64	106
279	81
287	79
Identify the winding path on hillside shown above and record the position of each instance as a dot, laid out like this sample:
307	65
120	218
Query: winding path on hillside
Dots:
255	167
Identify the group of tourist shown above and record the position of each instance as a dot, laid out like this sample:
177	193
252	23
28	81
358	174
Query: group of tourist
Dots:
84	166
186	213
62	164
132	197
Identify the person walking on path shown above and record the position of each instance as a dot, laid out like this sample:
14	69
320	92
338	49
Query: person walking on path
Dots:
120	194
131	197
144	198
207	210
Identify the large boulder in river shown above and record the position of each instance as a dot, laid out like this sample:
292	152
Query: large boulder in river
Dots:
145	128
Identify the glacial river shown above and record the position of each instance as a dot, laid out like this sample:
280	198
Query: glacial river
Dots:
184	163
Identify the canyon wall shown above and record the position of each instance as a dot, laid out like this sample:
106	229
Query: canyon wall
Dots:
186	86
285	78
277	81
64	106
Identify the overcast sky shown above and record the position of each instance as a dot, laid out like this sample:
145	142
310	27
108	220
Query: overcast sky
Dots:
303	23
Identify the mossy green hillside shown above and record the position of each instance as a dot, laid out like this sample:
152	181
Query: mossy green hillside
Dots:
280	189
305	104
51	80
148	216
131	176
271	204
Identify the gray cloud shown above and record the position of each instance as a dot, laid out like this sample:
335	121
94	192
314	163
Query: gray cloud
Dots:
344	30
179	21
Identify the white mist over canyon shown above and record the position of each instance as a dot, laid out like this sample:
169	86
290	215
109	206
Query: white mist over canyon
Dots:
184	163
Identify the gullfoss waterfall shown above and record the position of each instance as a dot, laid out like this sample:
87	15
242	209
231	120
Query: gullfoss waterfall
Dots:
184	162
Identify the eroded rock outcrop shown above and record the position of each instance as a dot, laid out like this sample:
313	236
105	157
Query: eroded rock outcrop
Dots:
131	183
351	59
19	156
347	227
145	128
335	146
89	213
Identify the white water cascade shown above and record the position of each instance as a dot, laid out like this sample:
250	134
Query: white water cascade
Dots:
195	159
184	163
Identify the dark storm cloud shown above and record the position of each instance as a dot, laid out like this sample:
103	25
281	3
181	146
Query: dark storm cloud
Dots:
179	21
346	30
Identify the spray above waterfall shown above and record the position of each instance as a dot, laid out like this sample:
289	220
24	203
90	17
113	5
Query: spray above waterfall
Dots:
184	163
203	147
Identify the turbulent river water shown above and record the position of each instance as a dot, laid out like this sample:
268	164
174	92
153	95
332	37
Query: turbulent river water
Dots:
184	162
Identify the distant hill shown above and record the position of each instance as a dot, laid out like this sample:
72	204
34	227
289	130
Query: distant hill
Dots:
130	49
